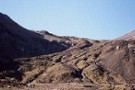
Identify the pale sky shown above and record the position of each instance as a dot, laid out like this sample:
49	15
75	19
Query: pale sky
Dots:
95	19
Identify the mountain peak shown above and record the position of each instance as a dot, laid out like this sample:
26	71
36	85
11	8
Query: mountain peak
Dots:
128	36
6	19
44	32
2	13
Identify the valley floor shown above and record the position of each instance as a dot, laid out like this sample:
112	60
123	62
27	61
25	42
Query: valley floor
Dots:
70	86
61	86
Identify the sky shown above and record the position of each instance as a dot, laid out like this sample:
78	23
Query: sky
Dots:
95	19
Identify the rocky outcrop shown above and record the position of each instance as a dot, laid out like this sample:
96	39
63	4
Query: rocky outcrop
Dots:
58	73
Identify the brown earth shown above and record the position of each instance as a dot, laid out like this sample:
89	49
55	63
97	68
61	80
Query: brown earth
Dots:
128	36
43	61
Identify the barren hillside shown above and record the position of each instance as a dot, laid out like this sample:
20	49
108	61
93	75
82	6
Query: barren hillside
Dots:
34	59
128	36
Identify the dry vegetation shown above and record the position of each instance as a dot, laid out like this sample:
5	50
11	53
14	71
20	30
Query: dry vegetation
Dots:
43	61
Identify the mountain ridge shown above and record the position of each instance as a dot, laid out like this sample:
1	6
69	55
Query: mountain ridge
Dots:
128	36
32	58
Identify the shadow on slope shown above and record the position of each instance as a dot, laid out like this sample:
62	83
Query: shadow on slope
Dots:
18	42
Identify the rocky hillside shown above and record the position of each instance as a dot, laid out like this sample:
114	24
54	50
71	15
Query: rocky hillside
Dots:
128	36
35	58
18	42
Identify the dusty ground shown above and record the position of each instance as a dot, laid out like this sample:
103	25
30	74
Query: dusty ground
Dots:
71	86
61	86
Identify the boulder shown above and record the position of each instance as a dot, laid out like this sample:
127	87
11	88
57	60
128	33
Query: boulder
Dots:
82	64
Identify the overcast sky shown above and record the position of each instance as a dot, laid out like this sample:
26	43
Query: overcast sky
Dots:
96	19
